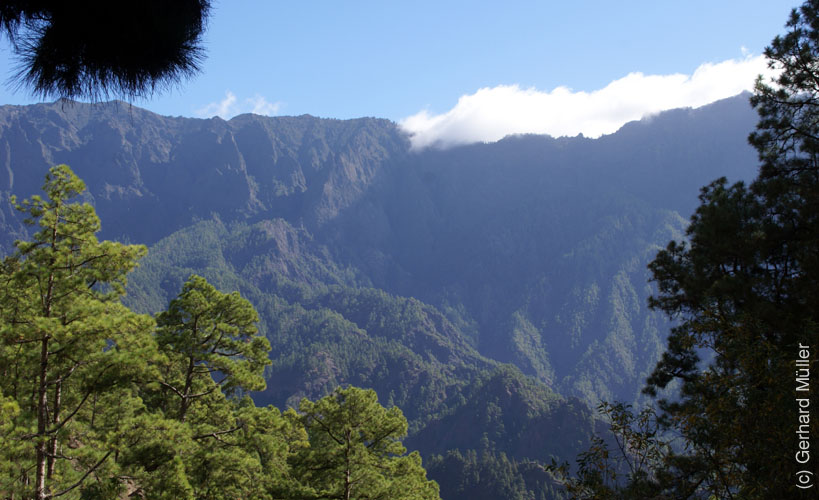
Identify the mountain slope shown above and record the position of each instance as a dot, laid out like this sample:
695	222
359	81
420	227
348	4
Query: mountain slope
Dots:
416	273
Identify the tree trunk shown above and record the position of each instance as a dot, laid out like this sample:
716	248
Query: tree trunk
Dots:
183	406
348	487
42	423
42	390
58	391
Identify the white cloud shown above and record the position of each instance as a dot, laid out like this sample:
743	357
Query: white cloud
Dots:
493	113
229	107
262	106
220	108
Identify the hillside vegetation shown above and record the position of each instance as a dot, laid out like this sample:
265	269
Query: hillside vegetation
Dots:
494	292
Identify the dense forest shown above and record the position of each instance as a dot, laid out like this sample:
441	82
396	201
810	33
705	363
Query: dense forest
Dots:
303	308
492	292
110	403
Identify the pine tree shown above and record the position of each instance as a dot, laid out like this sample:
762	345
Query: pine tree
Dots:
206	333
93	48
66	344
205	439
354	451
744	290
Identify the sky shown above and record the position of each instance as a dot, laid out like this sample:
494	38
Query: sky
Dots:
452	72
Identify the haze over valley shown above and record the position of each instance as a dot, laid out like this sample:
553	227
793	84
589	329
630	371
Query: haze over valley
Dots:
495	292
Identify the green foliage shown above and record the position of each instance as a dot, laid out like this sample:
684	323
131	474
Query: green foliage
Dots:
207	333
205	442
522	272
508	412
97	402
631	462
490	475
354	450
509	254
66	344
743	290
539	263
324	336
400	347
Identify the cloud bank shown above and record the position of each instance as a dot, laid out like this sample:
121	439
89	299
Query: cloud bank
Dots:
230	106
490	114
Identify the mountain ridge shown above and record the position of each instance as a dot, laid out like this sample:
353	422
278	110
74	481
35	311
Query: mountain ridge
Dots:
485	226
437	277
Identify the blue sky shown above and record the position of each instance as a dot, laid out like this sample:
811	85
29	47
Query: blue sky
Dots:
413	61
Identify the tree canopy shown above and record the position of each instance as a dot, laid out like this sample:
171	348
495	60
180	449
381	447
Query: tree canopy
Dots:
95	48
204	333
98	402
743	289
65	342
355	452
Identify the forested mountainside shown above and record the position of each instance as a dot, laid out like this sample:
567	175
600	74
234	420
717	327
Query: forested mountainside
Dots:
494	292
